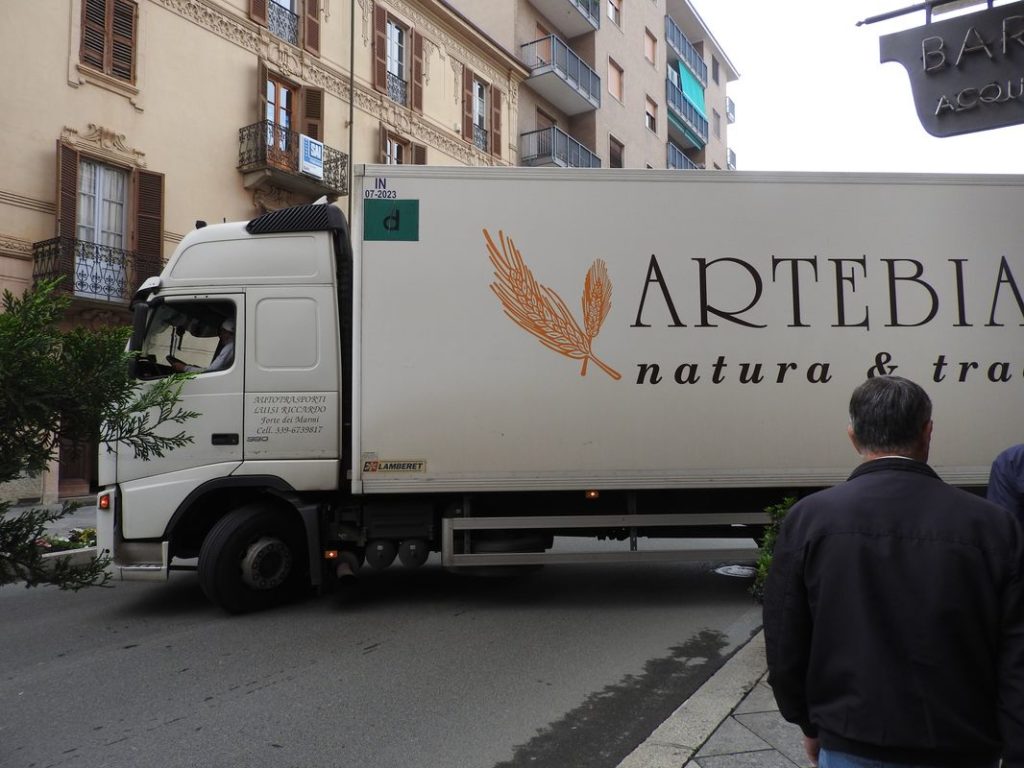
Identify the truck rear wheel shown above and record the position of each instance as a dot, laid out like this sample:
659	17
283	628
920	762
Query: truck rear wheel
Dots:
252	559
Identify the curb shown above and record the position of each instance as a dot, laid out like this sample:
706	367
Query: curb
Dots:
75	556
674	742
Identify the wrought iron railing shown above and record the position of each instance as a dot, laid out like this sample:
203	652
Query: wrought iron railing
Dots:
398	89
283	23
91	270
550	51
680	162
552	146
481	138
267	143
684	50
685	111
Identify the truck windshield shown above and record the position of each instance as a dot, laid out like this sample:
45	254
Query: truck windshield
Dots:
196	336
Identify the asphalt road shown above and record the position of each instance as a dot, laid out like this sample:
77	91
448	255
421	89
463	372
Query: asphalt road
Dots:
569	666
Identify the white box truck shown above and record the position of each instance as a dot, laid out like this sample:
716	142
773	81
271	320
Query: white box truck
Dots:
495	357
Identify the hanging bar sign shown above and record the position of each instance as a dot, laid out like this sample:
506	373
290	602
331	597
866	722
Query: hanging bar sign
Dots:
966	73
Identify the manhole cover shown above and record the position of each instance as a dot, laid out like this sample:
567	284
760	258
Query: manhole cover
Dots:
740	571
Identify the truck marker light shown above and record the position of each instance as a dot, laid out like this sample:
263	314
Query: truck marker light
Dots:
330	554
104	501
592	494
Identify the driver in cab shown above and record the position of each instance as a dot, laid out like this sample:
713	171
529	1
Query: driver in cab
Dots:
222	359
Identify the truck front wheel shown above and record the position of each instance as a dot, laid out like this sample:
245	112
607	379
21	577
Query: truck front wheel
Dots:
253	558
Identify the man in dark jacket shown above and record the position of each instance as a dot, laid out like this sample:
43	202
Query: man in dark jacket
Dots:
894	608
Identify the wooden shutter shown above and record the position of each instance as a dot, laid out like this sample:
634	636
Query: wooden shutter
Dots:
149	225
94	33
417	71
67	191
311	32
419	154
495	121
313	112
380	49
261	91
467	104
123	26
258	11
382	144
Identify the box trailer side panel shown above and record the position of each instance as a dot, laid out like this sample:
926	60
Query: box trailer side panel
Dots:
534	330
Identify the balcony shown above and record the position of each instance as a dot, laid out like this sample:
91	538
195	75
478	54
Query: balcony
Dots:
686	126
684	49
677	161
90	270
282	23
572	17
730	160
553	147
560	76
268	156
730	110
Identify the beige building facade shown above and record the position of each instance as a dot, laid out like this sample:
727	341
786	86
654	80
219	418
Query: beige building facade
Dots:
139	118
615	83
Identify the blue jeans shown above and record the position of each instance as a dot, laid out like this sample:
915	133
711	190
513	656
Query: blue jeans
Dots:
832	759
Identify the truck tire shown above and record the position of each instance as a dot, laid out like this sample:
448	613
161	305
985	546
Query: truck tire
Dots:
253	558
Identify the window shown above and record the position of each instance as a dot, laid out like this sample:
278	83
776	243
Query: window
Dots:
397	84
109	225
479	92
714	69
396	150
616	150
651	115
615	80
716	122
615	11
286	110
102	222
280	103
481	113
200	335
650	46
398	59
108	37
289	20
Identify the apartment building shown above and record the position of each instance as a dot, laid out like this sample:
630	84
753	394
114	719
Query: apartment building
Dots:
129	121
615	83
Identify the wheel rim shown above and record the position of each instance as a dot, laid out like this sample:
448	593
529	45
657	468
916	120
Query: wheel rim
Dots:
266	564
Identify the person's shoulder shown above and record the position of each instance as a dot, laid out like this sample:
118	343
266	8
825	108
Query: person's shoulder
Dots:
1012	456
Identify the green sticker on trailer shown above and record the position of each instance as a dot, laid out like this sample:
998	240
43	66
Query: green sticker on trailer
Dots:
391	220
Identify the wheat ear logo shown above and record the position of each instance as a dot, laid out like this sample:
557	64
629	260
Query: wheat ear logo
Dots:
541	312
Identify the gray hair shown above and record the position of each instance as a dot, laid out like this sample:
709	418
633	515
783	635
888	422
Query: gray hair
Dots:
888	414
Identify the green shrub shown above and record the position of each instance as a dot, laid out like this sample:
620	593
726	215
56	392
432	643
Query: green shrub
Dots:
776	514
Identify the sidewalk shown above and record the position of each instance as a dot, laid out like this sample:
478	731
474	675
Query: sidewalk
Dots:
83	517
730	722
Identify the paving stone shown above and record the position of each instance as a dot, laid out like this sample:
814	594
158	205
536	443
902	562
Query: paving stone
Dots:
760	699
761	759
732	737
785	737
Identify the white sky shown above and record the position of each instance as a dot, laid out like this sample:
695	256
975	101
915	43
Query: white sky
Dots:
813	96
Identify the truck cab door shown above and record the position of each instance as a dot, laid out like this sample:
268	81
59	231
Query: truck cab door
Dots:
192	333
